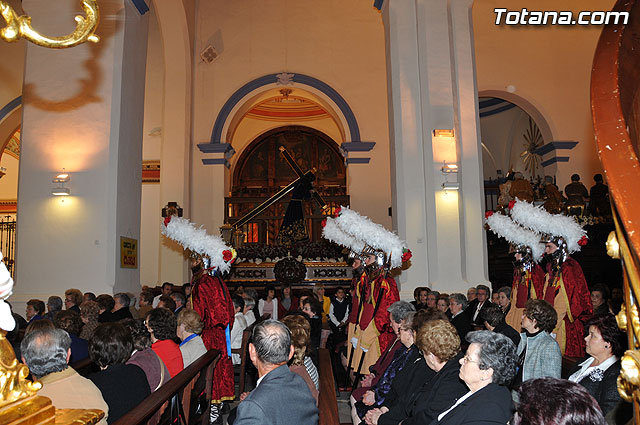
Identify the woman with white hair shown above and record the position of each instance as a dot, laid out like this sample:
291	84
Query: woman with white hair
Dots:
489	364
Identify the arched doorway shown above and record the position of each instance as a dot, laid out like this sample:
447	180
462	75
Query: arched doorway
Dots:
261	172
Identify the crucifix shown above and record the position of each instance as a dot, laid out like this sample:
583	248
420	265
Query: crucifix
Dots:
305	180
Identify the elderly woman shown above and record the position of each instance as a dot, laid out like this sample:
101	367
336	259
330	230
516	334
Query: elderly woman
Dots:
123	386
143	356
599	372
556	401
89	311
161	324
539	353
504	299
402	375
398	312
440	346
189	329
249	306
600	299
72	299
489	364
300	338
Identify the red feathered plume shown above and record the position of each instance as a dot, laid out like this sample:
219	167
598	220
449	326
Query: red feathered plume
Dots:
583	241
488	214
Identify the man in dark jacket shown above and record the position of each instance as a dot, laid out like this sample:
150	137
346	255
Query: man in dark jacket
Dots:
281	397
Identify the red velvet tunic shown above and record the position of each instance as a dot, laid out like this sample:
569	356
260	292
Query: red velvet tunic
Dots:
212	301
577	305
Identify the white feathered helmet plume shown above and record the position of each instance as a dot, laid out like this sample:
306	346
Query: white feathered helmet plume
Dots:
7	322
373	235
515	234
197	240
332	232
553	227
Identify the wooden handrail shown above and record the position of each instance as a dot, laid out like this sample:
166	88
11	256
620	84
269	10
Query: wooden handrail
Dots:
153	402
610	114
327	401
616	121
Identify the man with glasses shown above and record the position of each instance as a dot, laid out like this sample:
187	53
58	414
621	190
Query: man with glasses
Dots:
477	306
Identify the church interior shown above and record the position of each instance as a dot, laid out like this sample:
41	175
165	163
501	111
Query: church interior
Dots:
412	113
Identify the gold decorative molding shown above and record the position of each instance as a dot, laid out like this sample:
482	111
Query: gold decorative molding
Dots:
14	385
629	378
20	27
151	171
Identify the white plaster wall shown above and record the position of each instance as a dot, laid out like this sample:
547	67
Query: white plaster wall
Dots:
153	92
153	139
88	126
549	66
338	42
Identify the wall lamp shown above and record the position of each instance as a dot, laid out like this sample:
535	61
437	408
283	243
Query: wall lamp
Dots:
60	180
448	168
439	132
450	186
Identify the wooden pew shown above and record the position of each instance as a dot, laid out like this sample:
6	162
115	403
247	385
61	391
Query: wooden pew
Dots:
180	385
243	352
327	401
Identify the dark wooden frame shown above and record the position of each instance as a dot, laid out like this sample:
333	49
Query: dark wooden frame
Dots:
180	385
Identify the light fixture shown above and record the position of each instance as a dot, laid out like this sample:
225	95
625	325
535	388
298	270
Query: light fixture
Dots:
60	179
451	186
60	191
448	168
440	132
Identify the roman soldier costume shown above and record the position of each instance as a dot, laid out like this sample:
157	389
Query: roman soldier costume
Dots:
369	330
528	277
210	298
565	286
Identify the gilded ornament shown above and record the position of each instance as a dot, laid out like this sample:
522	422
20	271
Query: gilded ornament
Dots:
629	378
13	383
20	27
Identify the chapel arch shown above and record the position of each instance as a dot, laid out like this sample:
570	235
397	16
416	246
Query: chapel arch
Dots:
260	171
515	134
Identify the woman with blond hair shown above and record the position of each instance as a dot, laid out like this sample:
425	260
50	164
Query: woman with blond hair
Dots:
189	329
439	344
300	337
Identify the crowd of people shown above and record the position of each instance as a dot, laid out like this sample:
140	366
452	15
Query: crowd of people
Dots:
481	357
450	352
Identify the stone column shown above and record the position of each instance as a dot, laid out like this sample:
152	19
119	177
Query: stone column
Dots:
82	111
175	166
432	86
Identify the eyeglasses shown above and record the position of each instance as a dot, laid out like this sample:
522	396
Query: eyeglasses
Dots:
468	360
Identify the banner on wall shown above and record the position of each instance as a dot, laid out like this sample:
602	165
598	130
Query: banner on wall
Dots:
128	253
